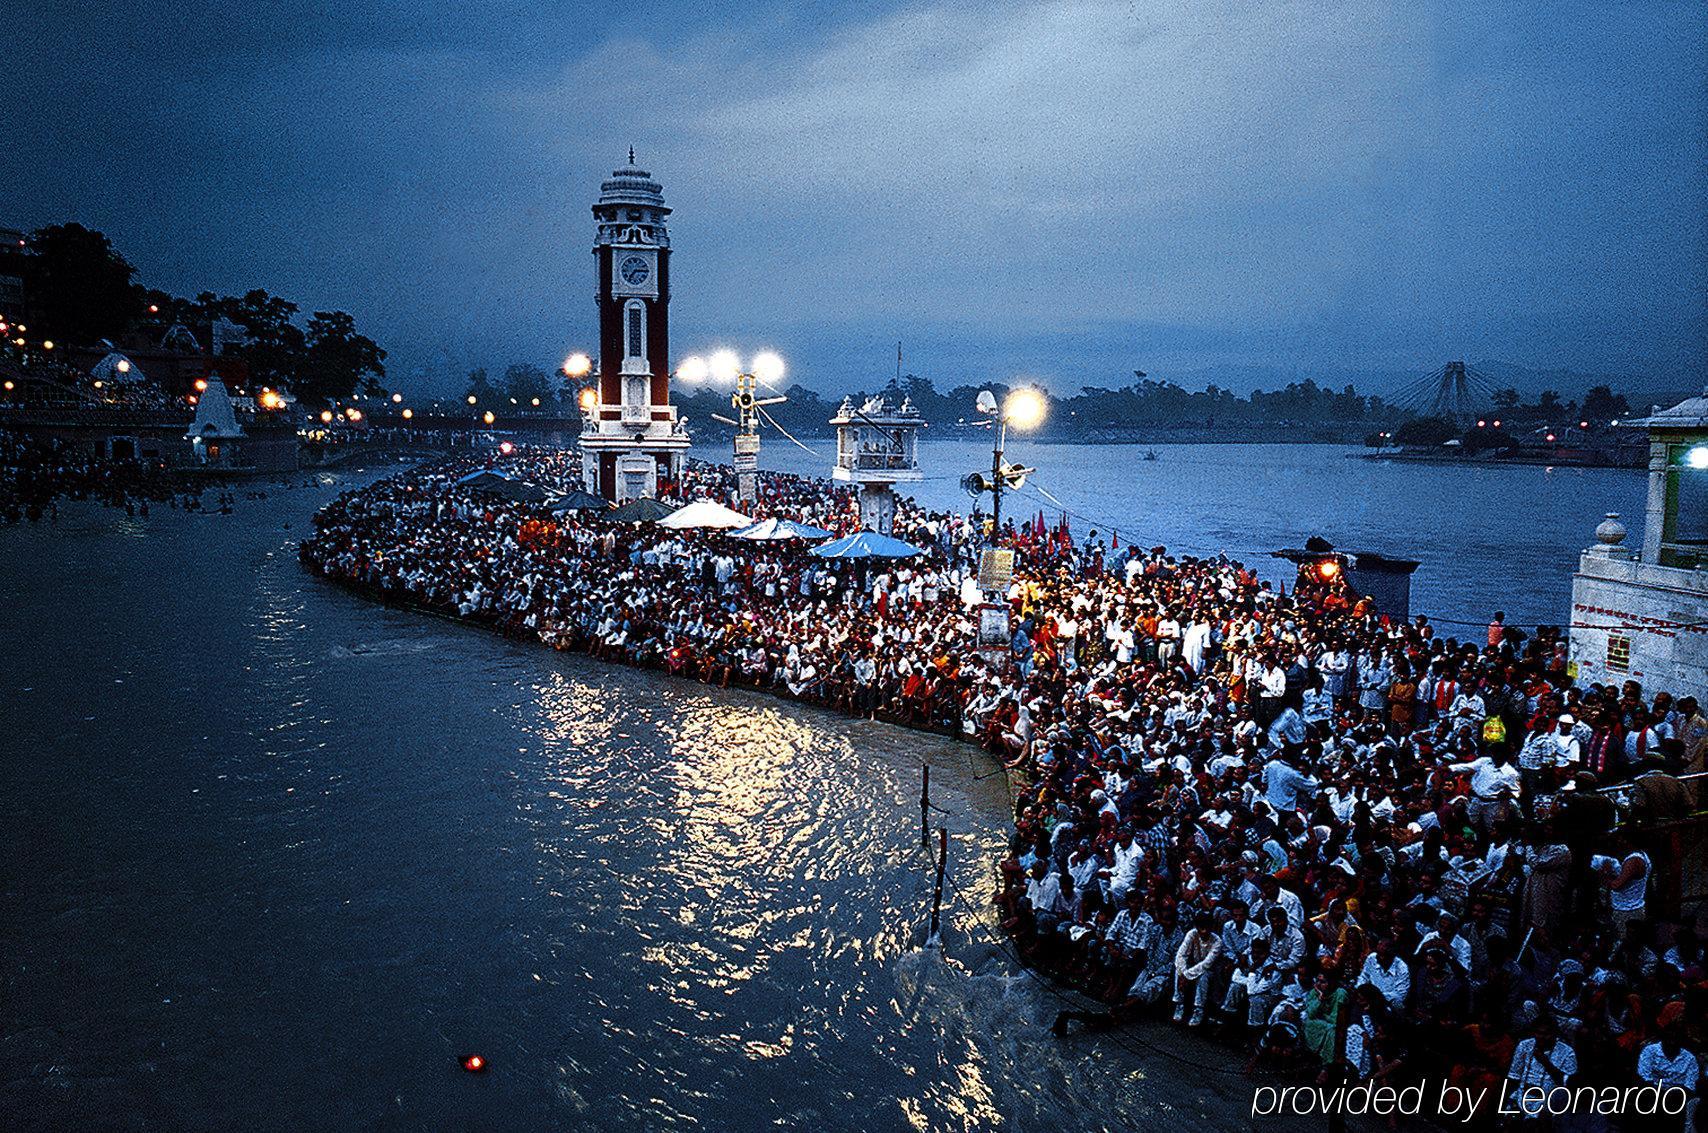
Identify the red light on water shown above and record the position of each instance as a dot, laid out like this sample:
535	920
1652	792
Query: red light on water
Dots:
474	1063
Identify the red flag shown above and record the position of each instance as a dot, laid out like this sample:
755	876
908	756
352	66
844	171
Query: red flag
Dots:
1115	541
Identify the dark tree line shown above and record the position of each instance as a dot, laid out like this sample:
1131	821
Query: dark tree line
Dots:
81	290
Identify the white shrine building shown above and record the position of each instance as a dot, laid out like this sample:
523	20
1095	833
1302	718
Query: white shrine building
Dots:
631	441
1642	615
877	447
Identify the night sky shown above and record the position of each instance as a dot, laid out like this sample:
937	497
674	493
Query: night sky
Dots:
1057	190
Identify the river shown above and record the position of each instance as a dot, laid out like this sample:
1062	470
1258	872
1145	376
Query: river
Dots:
275	857
1490	537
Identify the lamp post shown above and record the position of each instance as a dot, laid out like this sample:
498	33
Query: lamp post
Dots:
724	368
1024	409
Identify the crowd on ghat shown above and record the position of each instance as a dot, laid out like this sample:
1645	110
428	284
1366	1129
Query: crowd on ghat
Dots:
35	474
1359	847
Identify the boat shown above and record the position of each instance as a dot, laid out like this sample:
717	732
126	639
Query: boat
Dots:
1150	454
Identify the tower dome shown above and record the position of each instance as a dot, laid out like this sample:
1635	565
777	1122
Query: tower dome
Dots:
631	208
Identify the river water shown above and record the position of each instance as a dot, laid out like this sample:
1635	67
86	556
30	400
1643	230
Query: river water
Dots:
1489	537
275	857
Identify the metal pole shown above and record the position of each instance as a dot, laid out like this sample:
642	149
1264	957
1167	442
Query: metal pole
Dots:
996	481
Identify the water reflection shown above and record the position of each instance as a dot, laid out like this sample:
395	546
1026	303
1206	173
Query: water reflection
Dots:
310	850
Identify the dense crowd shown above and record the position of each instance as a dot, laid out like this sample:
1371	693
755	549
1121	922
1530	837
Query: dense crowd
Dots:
35	474
1364	849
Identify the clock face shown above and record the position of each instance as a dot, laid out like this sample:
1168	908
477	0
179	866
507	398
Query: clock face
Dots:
635	271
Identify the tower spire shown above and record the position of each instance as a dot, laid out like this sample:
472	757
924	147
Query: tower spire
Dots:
631	155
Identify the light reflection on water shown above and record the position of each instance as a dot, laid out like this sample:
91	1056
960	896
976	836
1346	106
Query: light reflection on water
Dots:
310	850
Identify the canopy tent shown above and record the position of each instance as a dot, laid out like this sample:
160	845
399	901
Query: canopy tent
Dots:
704	514
773	530
866	545
641	509
498	484
116	368
578	500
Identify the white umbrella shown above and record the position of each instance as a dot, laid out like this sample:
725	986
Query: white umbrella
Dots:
774	530
706	514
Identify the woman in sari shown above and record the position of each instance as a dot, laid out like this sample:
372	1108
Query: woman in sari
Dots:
1324	1005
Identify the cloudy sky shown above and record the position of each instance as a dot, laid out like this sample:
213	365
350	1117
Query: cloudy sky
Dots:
1062	190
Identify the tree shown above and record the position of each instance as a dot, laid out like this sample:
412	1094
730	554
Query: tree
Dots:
483	391
525	381
337	361
1506	398
273	347
1601	404
1549	401
80	290
1425	431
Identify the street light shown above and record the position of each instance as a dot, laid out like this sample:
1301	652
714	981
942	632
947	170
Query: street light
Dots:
1023	409
723	368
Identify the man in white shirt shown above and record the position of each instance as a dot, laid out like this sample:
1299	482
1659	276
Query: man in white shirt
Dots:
1540	1063
1387	973
1495	784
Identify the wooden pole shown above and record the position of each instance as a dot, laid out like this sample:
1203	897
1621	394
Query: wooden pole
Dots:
925	808
937	898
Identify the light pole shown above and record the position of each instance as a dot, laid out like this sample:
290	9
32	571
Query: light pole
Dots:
724	368
1024	409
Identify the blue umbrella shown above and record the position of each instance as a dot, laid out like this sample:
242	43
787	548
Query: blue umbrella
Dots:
866	545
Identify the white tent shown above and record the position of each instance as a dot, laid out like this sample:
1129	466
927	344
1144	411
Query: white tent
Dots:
704	513
116	368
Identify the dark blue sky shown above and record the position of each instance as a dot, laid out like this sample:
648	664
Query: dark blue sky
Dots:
1059	190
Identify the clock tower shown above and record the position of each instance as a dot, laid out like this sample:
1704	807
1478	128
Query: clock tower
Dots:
631	442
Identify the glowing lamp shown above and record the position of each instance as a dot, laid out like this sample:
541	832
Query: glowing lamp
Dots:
99	383
1497	422
473	1063
48	344
408	413
1024	408
577	365
326	416
1329	570
488	417
201	384
1550	437
396	398
768	367
123	366
1697	457
9	384
154	308
587	400
471	399
724	366
693	369
506	448
353	414
536	403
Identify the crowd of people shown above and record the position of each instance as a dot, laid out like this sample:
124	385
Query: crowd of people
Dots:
1360	848
35	474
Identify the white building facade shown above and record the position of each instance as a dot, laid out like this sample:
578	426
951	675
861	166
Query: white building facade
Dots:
1642	615
631	443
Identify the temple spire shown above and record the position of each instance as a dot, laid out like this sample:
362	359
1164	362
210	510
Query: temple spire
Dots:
631	155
